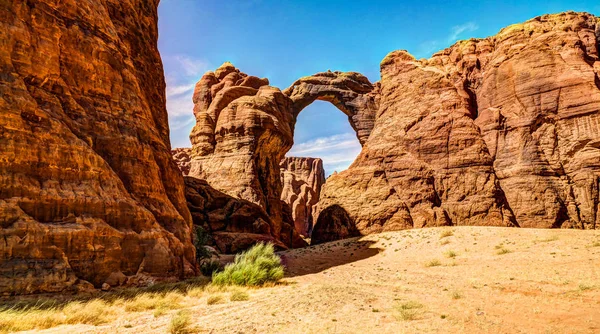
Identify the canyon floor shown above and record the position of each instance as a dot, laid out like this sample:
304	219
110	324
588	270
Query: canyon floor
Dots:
460	279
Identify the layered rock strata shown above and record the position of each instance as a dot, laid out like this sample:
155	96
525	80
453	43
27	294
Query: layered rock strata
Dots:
302	179
89	193
182	157
501	131
244	128
233	224
496	131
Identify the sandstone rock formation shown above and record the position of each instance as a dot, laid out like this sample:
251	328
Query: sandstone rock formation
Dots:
495	131
333	224
501	131
89	193
233	224
244	128
182	159
302	179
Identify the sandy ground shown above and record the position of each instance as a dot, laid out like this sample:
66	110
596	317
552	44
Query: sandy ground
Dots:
546	281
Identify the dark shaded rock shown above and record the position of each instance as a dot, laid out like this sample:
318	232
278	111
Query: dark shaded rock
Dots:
302	179
333	224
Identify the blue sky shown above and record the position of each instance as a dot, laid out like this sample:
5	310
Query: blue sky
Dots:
285	40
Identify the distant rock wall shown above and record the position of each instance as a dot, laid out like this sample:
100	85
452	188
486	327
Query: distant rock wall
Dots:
501	131
89	193
233	224
182	157
302	179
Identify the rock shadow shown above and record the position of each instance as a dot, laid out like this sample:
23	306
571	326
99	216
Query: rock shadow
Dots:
317	258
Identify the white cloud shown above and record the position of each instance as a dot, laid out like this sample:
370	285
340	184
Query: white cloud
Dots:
174	90
428	48
337	151
180	105
182	73
458	30
192	67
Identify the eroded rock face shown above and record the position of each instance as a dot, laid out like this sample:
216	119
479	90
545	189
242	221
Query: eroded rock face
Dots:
497	131
334	223
244	128
182	157
302	179
501	131
89	193
234	224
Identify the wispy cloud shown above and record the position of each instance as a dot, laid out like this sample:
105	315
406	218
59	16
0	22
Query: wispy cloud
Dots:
337	151
182	73
426	49
192	66
175	90
458	30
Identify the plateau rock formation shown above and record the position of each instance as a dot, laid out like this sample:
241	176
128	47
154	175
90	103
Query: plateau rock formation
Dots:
89	193
302	179
501	131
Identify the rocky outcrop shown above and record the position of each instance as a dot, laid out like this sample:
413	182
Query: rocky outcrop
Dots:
233	224
501	131
302	179
89	193
182	157
333	224
244	128
495	131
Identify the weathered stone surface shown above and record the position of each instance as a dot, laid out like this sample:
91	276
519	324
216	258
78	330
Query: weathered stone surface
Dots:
495	131
501	131
89	192
234	224
182	157
244	128
333	224
302	179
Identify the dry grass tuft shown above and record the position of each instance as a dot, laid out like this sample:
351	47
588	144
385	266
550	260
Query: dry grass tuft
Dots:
456	295
215	299
433	263
239	296
503	251
409	311
446	233
451	254
181	323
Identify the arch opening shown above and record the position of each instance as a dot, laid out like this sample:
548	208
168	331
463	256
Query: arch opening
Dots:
324	143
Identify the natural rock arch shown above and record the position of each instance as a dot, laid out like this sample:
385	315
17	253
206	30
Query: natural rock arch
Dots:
244	128
451	140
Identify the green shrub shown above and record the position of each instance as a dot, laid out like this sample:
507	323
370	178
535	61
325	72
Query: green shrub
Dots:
254	267
200	240
208	268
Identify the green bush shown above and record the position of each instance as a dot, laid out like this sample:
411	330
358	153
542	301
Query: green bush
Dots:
254	267
201	239
208	268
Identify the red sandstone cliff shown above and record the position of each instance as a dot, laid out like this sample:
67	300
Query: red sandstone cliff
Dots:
302	179
497	131
501	131
89	193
